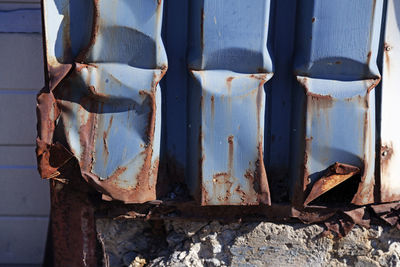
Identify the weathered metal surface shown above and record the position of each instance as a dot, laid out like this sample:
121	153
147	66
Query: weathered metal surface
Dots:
73	231
223	119
334	106
229	63
103	102
390	137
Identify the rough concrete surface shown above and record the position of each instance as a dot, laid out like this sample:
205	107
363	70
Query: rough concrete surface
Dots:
186	243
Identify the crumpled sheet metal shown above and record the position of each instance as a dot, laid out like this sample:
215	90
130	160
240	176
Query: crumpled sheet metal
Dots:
229	65
333	176
105	60
334	117
390	137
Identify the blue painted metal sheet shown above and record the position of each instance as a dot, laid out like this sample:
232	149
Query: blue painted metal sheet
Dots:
227	122
229	63
105	61
334	103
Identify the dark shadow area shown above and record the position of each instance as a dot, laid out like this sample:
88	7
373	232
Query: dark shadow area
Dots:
238	59
341	195
279	98
174	90
340	155
118	44
337	68
74	89
70	41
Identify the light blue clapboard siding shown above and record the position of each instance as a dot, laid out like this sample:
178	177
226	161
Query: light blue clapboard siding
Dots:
24	197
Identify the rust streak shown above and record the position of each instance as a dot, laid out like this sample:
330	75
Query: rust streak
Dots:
230	155
386	51
95	29
261	174
369	57
212	107
387	194
229	84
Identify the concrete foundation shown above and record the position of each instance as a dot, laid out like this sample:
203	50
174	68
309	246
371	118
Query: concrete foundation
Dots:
185	243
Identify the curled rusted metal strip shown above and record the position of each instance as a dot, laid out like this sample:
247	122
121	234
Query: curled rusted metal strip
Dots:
334	175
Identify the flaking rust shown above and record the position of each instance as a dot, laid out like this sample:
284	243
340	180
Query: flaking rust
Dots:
333	176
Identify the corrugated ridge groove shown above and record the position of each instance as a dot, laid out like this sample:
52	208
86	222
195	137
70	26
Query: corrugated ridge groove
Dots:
334	104
105	63
229	63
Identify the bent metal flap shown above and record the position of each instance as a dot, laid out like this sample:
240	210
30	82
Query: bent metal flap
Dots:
102	102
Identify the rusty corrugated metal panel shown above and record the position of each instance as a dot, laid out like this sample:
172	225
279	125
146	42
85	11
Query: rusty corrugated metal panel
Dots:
334	104
102	105
390	137
229	63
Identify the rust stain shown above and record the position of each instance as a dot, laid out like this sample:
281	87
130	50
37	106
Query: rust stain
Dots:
93	36
222	184
313	20
87	135
229	84
146	179
106	152
263	190
230	155
369	57
261	70
203	194
245	199
321	101
365	192
249	176
386	154
212	107
386	51
334	175
374	83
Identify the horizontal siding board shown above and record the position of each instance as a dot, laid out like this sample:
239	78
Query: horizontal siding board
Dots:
23	192
19	1
22	20
21	61
17	156
22	239
18	119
